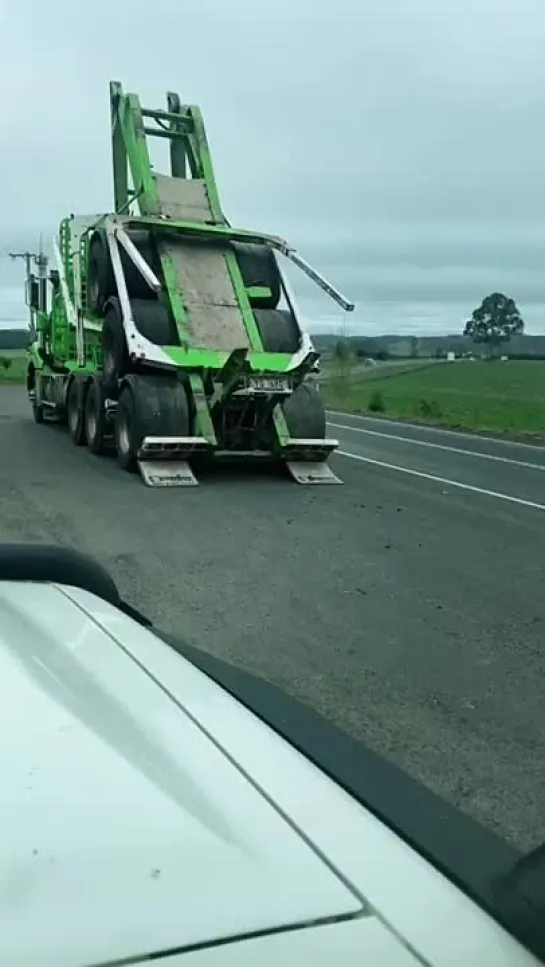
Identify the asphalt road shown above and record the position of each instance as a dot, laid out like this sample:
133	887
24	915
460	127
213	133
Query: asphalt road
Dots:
407	606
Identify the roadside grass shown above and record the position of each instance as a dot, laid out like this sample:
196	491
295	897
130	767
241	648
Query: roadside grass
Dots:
499	397
355	369
12	366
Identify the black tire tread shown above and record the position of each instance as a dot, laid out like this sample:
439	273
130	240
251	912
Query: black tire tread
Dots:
304	412
278	329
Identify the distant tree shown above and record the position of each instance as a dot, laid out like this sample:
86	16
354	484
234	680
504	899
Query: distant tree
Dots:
342	350
494	322
414	347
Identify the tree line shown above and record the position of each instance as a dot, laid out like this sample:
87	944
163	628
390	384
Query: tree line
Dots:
492	324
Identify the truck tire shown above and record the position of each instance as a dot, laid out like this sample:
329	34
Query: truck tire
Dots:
38	412
278	329
259	269
75	402
152	320
101	283
148	406
37	408
115	355
137	286
100	276
94	417
304	413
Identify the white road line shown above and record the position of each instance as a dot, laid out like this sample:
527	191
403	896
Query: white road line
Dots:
440	446
426	428
442	480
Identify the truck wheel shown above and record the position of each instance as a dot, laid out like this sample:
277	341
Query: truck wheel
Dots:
37	408
115	356
127	433
278	329
101	280
94	417
304	412
101	284
153	321
149	406
37	411
259	268
74	411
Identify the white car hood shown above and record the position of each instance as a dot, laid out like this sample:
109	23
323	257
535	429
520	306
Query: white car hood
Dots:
130	831
144	811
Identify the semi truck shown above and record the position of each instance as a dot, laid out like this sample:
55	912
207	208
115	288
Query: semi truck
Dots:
166	336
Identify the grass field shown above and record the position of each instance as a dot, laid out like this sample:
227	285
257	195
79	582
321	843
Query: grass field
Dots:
12	366
500	397
358	370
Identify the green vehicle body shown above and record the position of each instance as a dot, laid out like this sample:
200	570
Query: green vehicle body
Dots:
164	288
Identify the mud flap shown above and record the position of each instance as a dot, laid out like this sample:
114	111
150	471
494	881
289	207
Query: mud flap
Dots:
307	472
167	473
161	460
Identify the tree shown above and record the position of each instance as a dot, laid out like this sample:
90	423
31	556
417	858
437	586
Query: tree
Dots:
494	322
342	350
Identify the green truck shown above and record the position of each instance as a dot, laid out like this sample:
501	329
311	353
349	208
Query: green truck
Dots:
164	334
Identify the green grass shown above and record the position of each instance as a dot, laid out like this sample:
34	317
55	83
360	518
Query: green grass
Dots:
499	397
12	366
355	369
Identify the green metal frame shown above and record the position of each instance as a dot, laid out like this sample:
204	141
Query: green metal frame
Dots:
183	126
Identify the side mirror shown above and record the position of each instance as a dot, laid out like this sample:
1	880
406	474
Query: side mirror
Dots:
32	294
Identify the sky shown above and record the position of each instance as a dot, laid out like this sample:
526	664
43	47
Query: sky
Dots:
399	145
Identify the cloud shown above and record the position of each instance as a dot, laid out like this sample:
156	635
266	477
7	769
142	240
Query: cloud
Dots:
399	145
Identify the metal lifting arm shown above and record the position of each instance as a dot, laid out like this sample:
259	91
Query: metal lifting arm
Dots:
301	263
183	126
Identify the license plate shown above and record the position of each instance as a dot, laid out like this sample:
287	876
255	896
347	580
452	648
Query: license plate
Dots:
268	384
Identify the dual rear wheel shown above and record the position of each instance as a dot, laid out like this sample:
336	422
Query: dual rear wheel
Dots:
156	406
147	406
86	414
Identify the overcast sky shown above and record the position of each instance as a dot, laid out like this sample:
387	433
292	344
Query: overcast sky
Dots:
399	144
